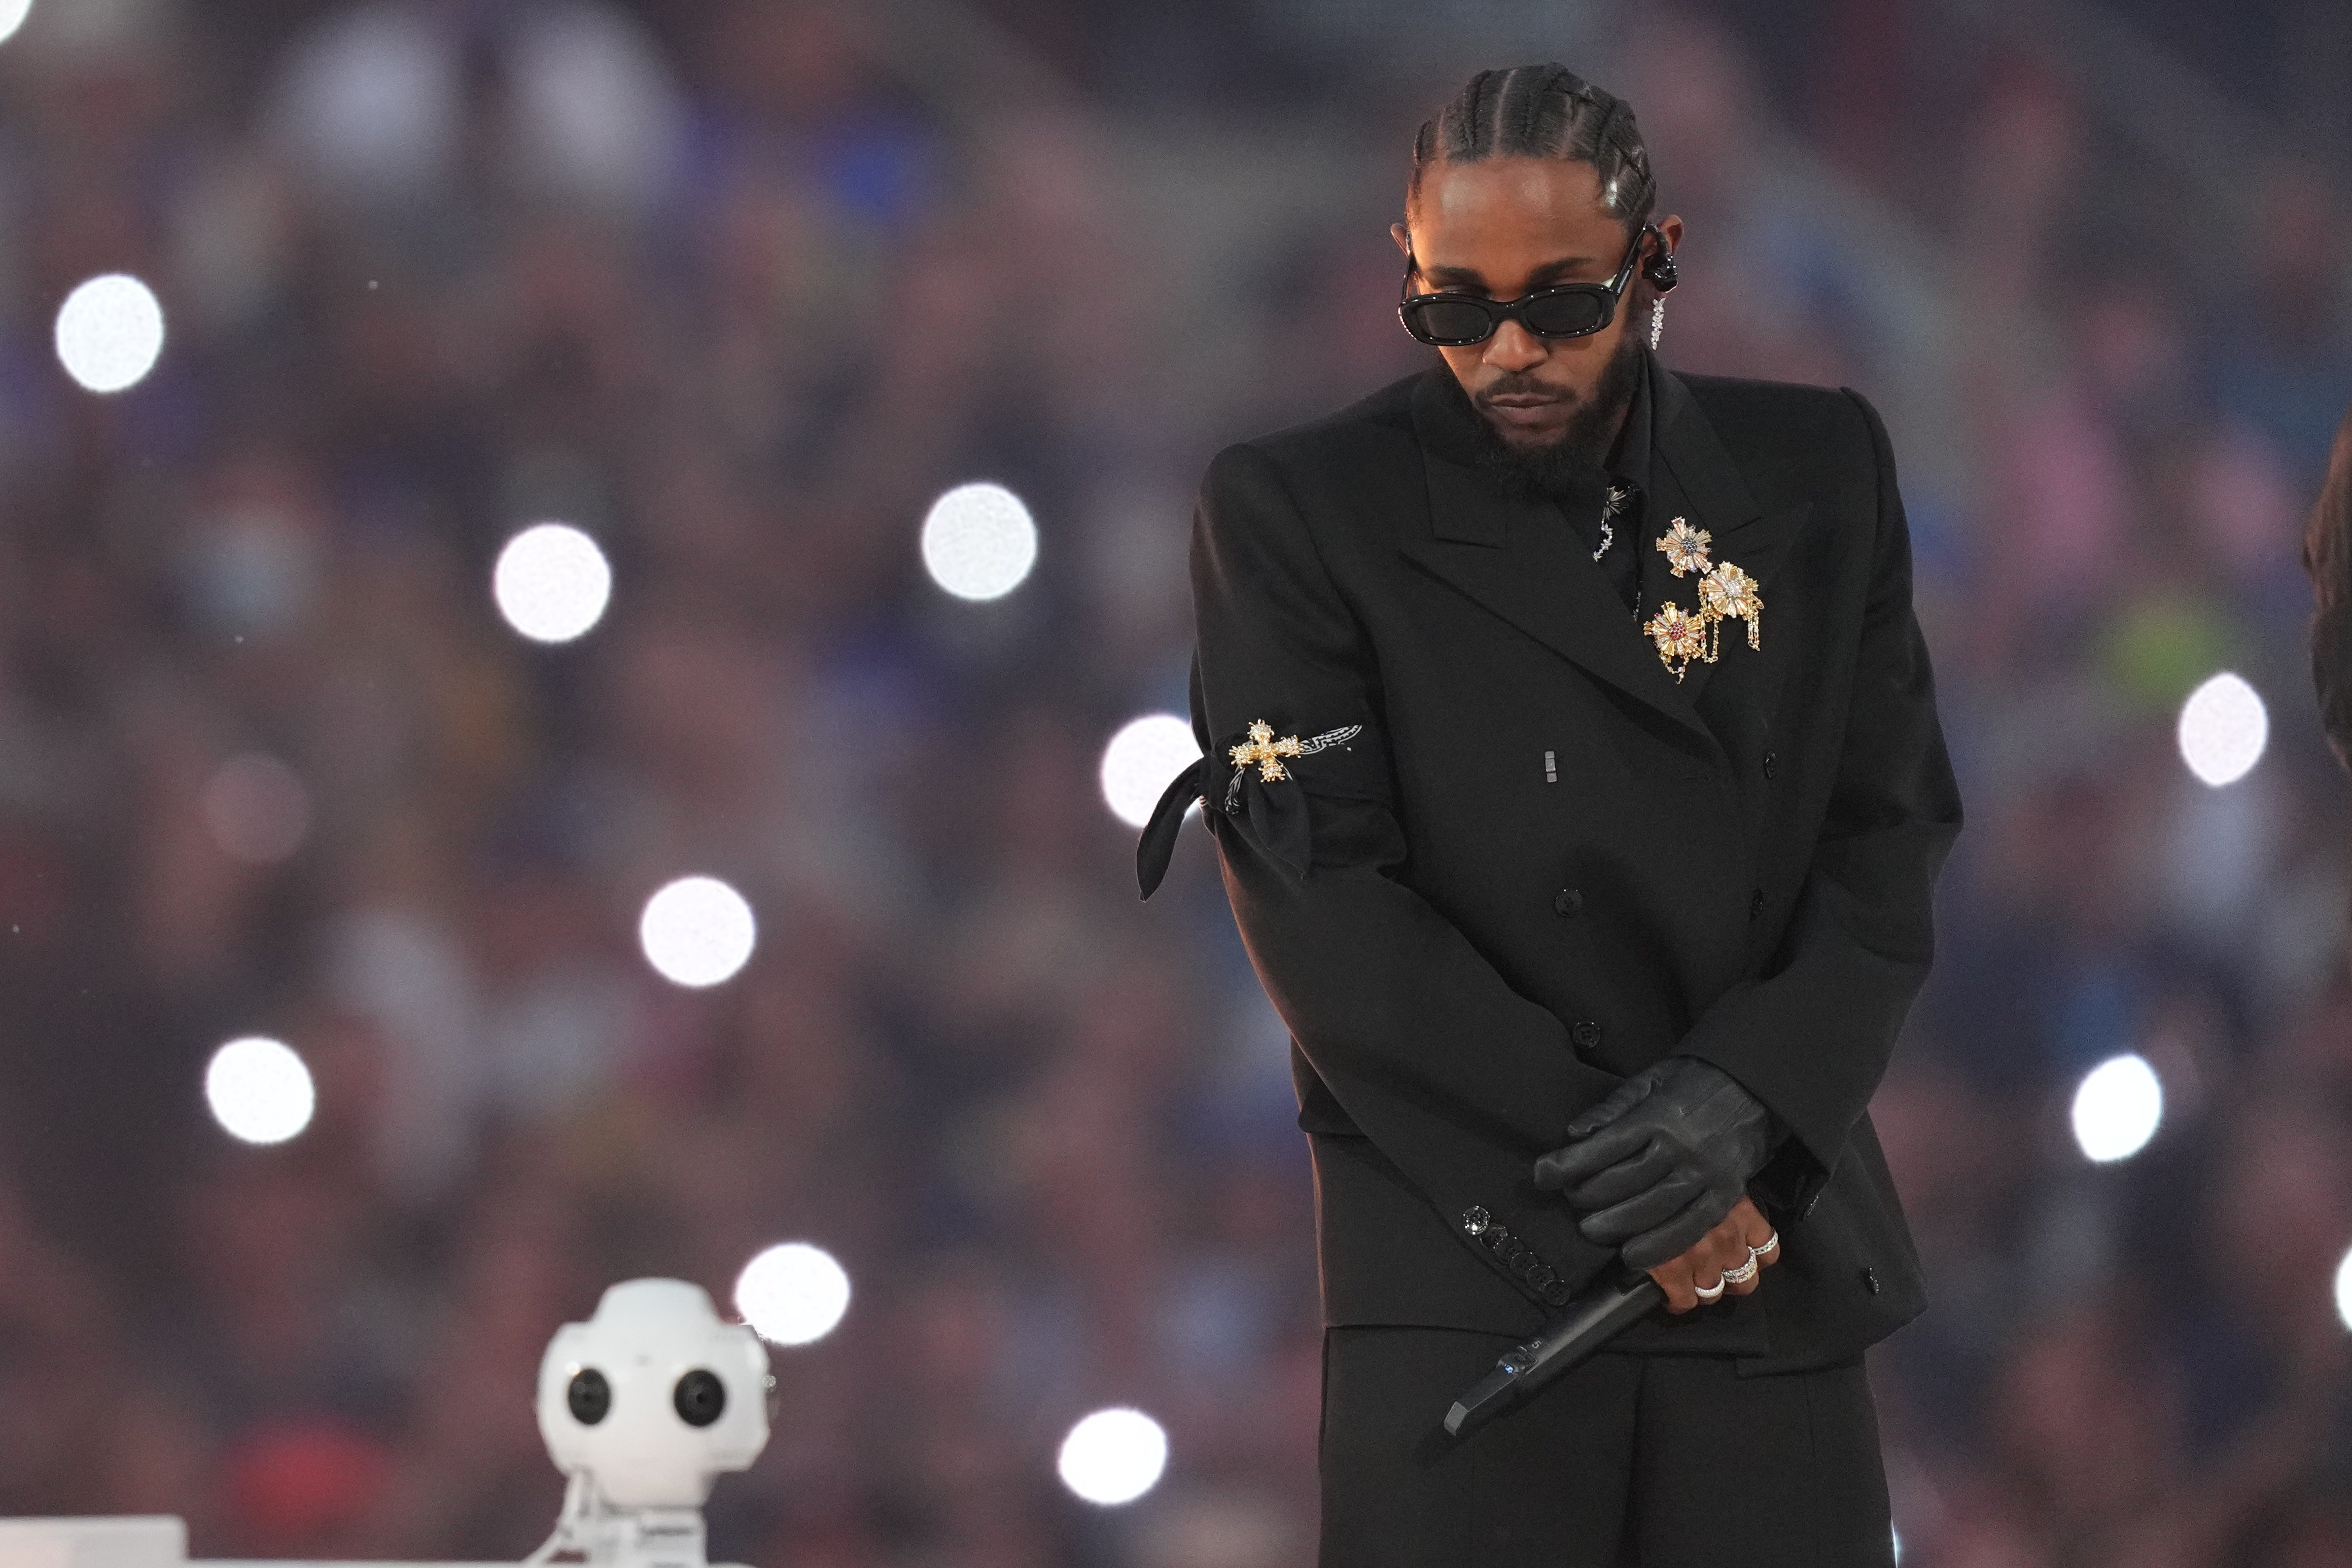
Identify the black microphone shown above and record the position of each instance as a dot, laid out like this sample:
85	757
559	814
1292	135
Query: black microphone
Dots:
1569	1340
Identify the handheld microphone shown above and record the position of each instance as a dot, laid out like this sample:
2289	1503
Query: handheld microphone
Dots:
1570	1338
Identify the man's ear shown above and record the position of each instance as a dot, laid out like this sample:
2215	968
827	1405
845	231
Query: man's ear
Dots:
1403	238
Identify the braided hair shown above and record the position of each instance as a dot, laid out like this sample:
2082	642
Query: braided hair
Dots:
1544	111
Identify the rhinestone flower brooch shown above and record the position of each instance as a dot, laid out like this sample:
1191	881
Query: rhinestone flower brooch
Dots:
1725	593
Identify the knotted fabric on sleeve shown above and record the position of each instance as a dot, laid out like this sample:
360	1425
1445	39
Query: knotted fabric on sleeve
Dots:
1249	779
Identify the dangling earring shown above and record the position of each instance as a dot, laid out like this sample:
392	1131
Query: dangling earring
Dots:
1657	319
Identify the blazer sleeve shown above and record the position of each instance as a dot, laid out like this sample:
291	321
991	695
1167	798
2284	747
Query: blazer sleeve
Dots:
1458	1080
1812	1037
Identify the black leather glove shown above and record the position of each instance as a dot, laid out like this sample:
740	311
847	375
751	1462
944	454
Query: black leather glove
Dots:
1660	1162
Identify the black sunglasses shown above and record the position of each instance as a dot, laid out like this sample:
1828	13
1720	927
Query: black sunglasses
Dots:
1570	310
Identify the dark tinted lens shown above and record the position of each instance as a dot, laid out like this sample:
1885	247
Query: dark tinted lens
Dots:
1452	320
1566	315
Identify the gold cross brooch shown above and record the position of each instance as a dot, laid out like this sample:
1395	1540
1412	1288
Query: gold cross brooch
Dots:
1266	752
1262	748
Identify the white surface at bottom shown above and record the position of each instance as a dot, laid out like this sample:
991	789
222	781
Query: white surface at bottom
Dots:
151	1541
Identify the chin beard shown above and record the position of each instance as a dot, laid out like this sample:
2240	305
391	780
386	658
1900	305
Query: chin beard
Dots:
1571	461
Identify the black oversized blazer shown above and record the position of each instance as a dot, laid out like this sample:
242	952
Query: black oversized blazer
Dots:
1543	863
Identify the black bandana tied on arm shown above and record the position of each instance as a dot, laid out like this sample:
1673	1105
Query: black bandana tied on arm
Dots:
1248	780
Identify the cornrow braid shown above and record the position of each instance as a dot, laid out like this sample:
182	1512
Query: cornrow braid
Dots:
1544	111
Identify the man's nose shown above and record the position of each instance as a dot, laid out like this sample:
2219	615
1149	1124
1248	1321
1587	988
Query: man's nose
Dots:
1513	348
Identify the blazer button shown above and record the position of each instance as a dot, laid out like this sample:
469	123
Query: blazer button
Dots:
1586	1034
1869	1279
1756	903
1771	759
1566	901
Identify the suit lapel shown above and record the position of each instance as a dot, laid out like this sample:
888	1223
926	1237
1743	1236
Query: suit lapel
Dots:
1520	559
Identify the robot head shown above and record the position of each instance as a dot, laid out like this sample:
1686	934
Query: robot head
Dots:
654	1396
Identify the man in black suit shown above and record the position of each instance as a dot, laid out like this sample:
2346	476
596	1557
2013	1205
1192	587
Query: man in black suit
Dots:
1573	763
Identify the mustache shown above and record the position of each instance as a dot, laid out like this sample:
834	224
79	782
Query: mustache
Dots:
1520	384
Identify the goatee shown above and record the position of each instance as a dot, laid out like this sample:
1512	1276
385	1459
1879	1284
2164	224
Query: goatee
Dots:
1571	461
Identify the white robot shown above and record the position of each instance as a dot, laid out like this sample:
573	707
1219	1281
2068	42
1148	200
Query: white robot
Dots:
643	1406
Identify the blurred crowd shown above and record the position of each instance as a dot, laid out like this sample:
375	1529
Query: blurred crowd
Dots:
737	287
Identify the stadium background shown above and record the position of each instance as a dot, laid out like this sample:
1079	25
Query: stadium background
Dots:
738	288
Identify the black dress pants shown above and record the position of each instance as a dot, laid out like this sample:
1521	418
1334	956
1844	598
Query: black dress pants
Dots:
1628	1461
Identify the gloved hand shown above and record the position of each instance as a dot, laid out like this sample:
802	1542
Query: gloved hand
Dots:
1661	1160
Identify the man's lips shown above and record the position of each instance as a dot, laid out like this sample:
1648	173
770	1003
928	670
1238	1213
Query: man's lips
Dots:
1521	411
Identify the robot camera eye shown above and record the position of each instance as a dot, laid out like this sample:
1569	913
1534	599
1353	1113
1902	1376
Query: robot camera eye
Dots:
701	1398
589	1395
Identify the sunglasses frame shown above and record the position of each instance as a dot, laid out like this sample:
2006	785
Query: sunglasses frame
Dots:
1499	311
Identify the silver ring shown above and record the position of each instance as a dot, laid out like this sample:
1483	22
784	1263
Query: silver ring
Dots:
1704	1294
1770	1242
1742	1274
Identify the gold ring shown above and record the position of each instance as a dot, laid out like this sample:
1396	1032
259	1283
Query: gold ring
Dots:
1742	1274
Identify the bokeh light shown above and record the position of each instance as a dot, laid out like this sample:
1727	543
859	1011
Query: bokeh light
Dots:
696	931
1113	1457
110	332
257	808
1140	759
978	541
260	1090
793	1293
552	582
12	17
2223	728
2343	1290
2117	1108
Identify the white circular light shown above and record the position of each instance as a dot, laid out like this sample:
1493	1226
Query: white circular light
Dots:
2117	1108
1113	1457
696	931
793	1293
552	582
257	810
978	541
12	17
2343	1290
260	1091
2223	728
110	332
1140	759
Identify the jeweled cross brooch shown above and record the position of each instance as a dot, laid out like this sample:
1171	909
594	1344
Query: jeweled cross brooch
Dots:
1265	750
1262	748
